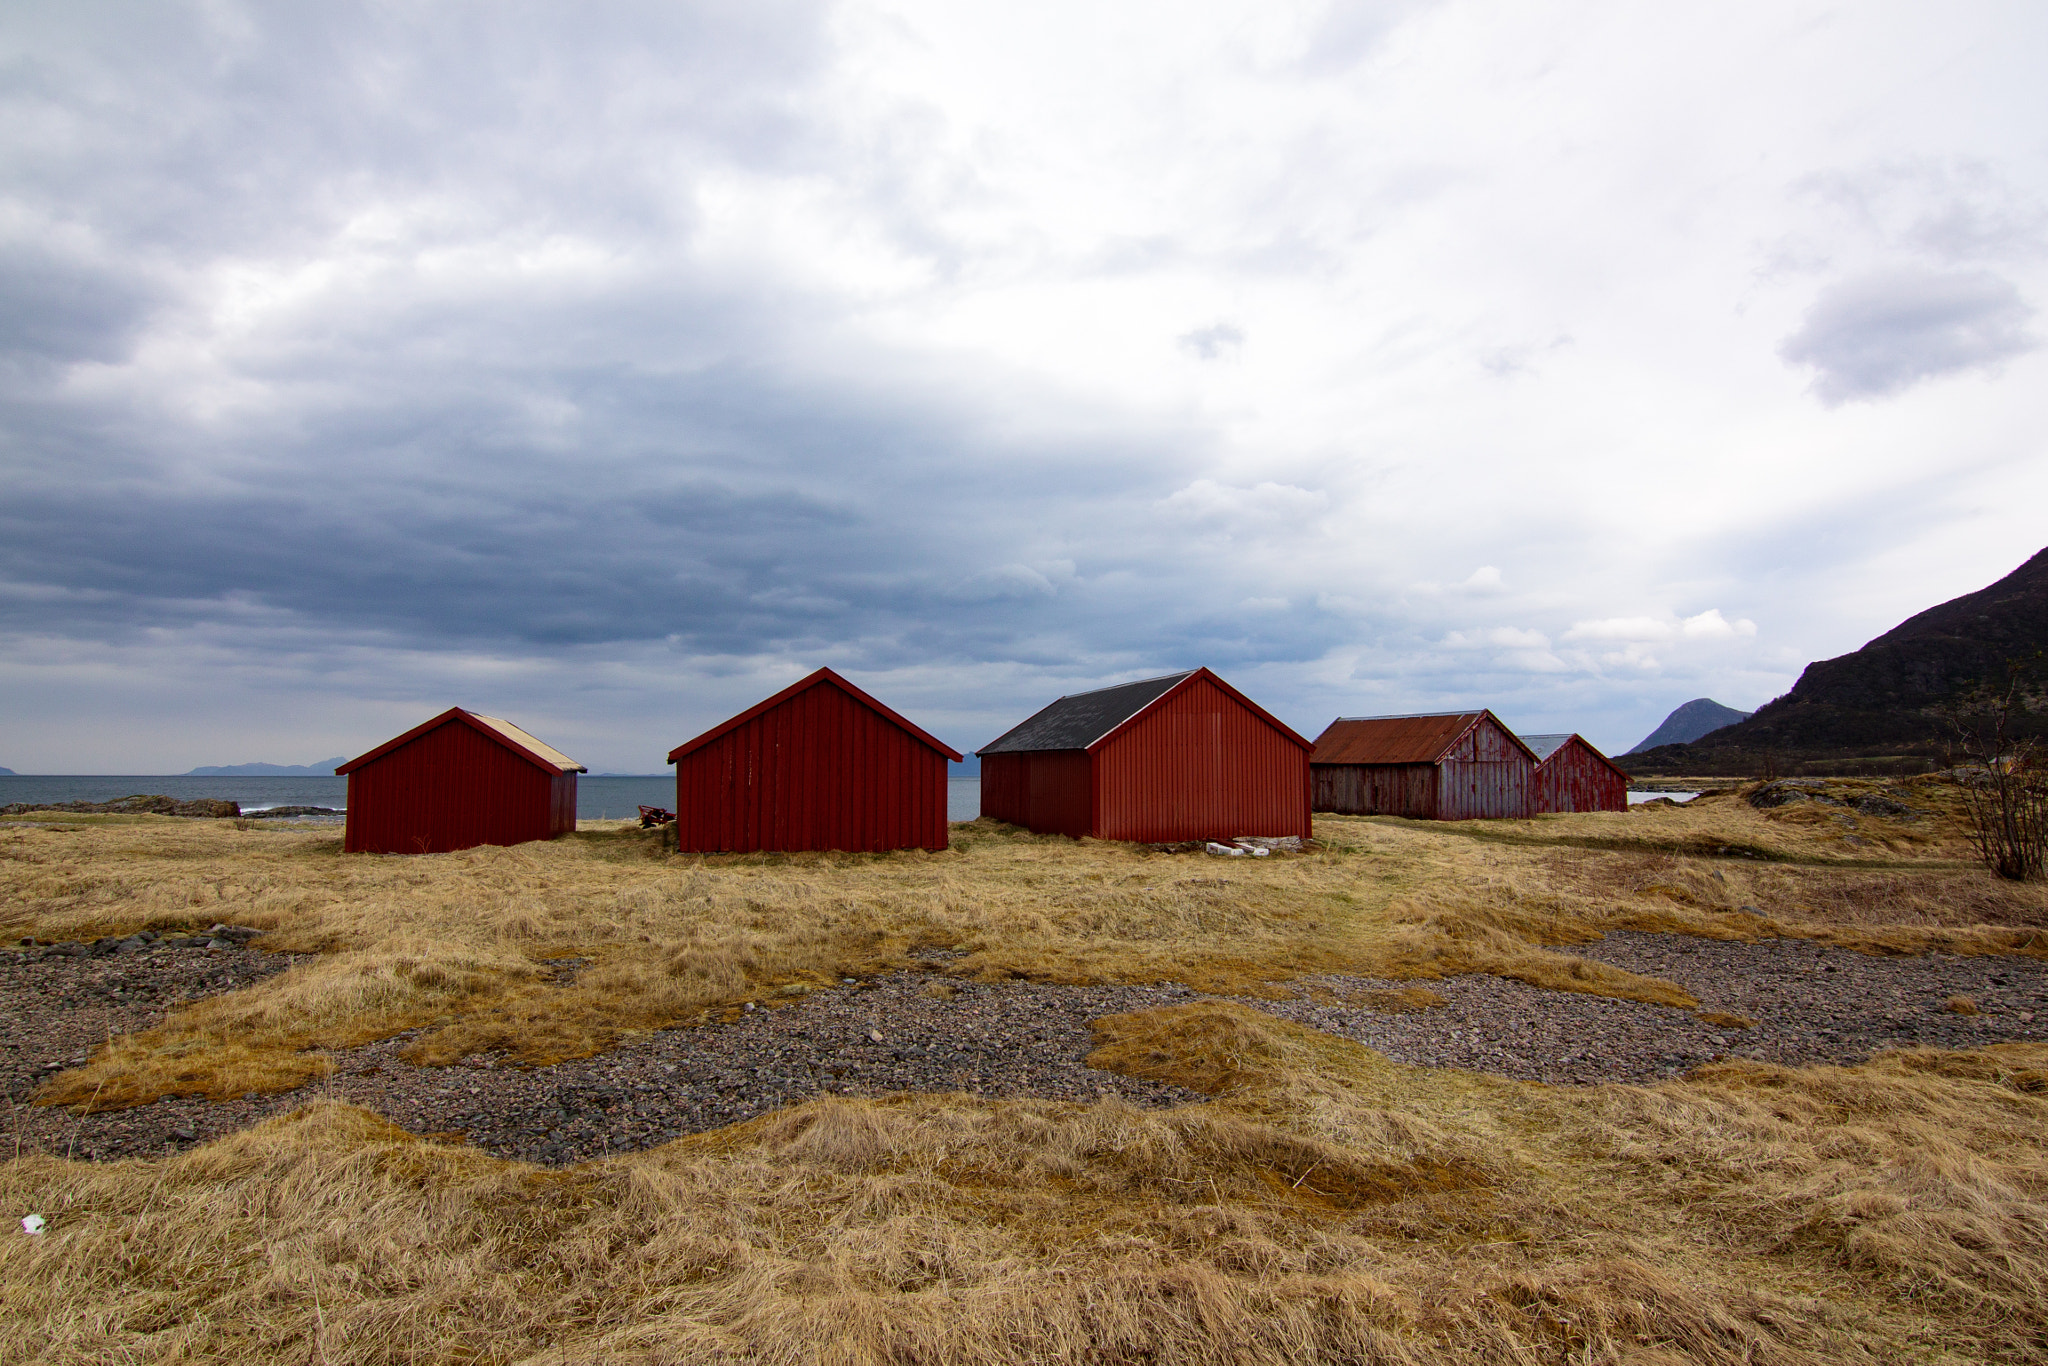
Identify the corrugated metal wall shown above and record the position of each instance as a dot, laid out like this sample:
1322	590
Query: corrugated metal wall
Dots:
1199	765
821	771
1046	790
1574	778
1377	789
454	788
1485	775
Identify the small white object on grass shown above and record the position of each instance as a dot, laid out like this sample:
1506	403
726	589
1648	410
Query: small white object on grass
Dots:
32	1224
1226	850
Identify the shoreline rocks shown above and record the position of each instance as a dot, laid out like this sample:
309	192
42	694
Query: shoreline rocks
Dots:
139	805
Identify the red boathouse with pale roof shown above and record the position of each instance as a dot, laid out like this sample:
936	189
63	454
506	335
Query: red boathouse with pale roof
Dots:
455	782
1443	766
820	765
1571	775
1182	757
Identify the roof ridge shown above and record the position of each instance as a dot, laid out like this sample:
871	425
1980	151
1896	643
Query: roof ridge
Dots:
822	676
532	747
1127	683
520	735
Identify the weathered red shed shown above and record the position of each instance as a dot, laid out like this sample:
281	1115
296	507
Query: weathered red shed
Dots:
1571	775
1182	757
820	765
455	782
1447	766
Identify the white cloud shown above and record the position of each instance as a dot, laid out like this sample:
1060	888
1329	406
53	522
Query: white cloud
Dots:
1621	628
1484	579
1507	637
1266	502
1710	624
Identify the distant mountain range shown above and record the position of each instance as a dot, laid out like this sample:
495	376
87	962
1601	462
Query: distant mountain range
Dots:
324	769
1701	716
1878	709
8	773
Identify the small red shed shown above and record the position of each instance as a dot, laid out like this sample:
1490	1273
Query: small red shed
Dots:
820	765
1445	766
1181	757
1571	775
455	782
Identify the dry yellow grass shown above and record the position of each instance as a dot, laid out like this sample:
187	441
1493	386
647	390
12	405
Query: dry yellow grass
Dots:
1325	1204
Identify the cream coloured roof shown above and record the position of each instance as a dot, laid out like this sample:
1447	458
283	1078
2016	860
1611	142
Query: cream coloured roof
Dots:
546	753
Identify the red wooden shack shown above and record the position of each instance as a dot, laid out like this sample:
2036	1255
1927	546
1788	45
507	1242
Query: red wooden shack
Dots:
1446	766
1571	775
820	765
1182	757
455	782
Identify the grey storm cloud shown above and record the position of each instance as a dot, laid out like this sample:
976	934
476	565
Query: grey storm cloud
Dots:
1880	334
617	453
54	311
722	511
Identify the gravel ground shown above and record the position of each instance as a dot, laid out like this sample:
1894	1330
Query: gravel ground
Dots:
54	1007
1811	1004
865	1038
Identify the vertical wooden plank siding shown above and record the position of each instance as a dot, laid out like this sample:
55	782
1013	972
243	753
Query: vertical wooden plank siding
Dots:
1044	790
1485	775
1408	790
1198	765
822	770
562	813
453	788
1574	778
1003	778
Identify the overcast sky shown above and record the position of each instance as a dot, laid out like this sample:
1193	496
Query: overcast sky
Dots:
607	367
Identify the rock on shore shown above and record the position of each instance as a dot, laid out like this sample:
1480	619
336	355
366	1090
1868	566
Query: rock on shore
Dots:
157	805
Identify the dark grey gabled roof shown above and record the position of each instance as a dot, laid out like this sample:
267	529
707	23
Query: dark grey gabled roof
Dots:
1079	719
1544	745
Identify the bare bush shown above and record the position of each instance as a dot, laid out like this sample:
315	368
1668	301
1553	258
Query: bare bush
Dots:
2005	791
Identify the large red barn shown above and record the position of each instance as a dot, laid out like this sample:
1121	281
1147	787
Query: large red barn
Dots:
820	765
1571	775
1446	766
455	782
1181	757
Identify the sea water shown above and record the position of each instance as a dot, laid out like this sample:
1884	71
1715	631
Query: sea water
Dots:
596	798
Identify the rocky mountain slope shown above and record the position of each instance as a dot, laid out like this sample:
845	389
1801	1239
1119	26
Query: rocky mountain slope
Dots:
1879	709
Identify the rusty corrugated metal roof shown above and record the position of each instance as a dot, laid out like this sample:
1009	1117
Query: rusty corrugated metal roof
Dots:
1419	739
